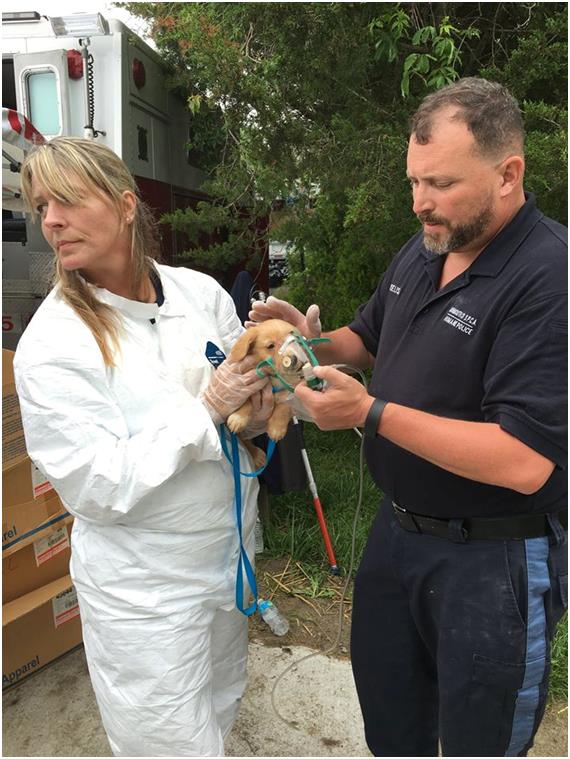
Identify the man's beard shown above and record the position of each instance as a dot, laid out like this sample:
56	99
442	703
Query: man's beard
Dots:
459	236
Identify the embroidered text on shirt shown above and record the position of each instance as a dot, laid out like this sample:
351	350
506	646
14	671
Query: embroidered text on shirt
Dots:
460	320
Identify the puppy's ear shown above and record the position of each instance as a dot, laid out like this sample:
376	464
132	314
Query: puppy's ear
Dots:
244	344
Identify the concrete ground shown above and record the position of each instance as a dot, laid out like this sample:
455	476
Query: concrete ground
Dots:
54	713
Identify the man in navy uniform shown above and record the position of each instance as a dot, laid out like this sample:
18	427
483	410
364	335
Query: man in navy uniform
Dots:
464	575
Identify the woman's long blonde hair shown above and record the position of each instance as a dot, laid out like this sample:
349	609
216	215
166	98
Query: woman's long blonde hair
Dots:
68	167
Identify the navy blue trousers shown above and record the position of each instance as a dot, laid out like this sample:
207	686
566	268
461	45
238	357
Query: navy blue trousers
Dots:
451	641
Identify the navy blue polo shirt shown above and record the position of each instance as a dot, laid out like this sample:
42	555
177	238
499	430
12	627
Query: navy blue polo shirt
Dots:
491	346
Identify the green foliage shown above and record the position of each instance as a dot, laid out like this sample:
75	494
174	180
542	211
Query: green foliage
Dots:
541	89
389	28
438	59
308	104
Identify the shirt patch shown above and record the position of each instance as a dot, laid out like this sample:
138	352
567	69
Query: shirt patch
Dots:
460	320
214	354
395	289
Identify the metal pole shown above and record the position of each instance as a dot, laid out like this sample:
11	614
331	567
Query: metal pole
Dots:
316	501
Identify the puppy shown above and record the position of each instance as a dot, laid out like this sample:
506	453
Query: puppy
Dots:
262	342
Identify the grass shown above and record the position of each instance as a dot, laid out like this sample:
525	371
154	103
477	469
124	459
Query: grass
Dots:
559	654
293	530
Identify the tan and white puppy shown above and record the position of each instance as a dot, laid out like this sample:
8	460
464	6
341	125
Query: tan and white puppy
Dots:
262	342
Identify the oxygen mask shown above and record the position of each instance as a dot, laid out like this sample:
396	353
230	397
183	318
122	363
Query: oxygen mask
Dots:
295	362
293	355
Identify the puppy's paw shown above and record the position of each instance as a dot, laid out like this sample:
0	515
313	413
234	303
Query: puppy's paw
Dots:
277	428
257	456
237	421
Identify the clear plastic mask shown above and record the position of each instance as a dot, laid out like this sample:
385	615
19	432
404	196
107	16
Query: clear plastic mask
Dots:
293	356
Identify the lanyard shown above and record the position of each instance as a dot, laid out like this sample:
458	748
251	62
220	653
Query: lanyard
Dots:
243	560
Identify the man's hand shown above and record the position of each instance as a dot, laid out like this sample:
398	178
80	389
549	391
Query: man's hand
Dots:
344	403
273	308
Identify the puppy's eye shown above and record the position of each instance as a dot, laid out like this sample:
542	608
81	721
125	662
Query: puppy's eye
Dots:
270	346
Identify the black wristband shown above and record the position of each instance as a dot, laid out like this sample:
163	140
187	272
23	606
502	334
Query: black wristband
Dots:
373	418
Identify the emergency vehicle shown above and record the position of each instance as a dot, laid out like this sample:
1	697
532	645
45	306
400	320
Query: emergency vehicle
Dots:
84	76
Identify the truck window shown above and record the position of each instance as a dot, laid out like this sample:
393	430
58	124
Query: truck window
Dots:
43	106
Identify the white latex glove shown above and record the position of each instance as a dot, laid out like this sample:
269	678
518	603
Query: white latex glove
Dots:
273	308
262	404
230	386
298	408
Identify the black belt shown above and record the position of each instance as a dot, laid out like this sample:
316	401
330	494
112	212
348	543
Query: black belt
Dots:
480	528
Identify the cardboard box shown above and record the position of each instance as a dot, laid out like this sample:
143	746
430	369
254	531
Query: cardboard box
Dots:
29	502
13	442
21	480
22	522
37	628
23	483
38	563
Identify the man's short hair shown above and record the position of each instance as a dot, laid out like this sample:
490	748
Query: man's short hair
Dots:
488	109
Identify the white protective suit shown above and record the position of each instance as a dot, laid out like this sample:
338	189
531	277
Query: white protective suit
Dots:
135	457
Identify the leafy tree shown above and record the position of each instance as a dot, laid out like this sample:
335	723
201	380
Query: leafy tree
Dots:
300	114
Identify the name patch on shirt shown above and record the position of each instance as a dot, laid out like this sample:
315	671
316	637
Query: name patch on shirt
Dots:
460	320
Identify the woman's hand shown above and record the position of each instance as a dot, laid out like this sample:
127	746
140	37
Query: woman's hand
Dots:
262	404
230	386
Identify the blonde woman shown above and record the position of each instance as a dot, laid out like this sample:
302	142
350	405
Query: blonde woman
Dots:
121	408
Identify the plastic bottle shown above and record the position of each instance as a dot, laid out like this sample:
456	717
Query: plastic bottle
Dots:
277	623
